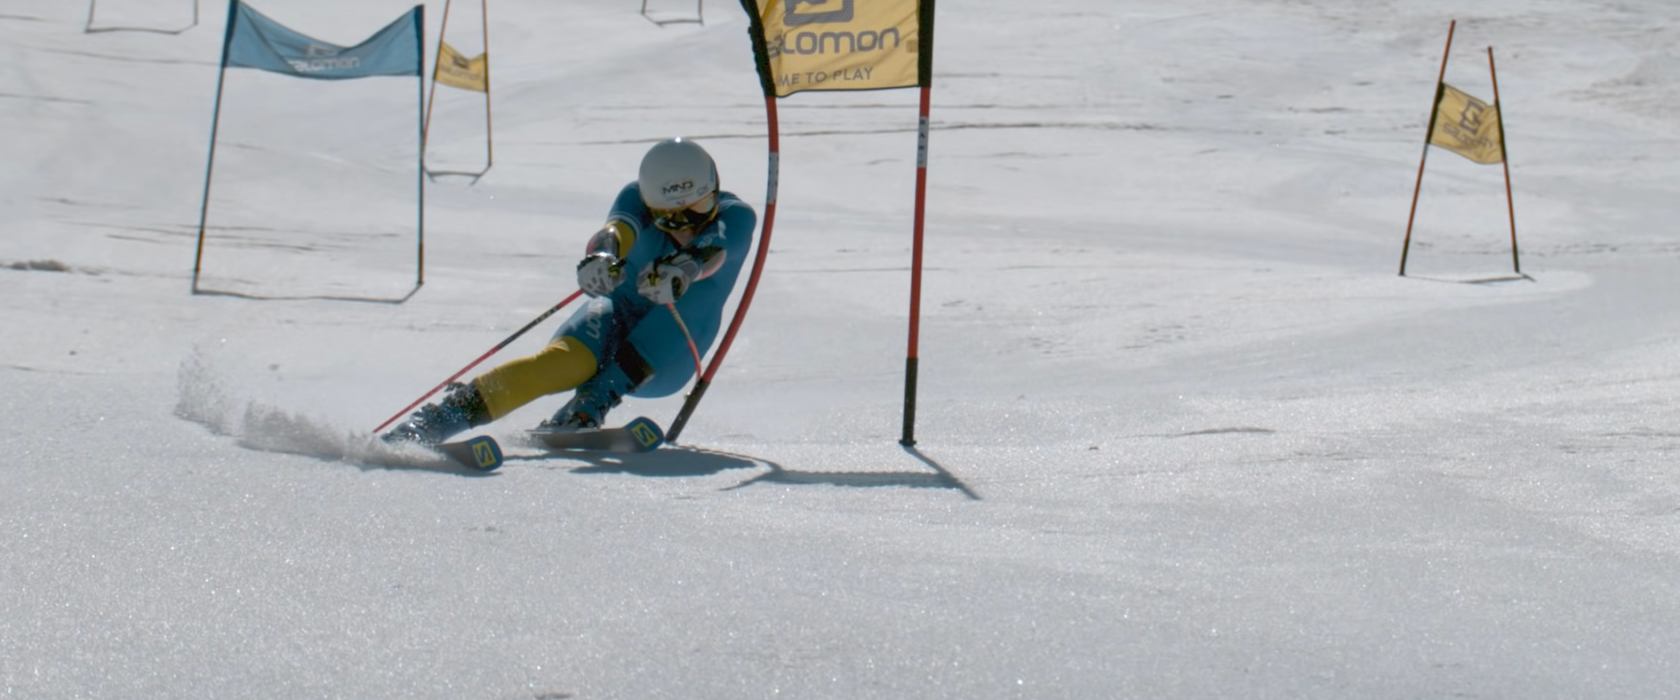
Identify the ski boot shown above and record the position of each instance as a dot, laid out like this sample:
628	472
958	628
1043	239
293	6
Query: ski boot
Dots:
591	401
460	409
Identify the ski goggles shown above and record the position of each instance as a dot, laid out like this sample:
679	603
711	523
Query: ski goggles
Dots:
687	219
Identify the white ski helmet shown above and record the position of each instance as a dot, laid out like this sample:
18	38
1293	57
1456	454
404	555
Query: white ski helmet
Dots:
676	174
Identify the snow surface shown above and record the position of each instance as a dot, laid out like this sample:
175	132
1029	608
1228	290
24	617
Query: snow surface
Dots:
1183	431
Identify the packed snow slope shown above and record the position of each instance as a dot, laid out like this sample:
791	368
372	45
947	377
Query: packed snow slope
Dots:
1182	430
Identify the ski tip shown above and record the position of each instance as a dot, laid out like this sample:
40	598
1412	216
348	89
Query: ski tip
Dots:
645	433
481	452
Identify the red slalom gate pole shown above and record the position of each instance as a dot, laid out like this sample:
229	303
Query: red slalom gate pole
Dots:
1434	111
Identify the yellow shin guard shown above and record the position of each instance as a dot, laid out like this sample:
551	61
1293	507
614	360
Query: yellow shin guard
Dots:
561	366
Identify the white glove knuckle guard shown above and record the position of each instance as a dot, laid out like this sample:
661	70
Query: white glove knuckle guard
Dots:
596	276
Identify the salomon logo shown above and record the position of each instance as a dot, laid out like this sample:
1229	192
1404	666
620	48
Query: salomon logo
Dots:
319	58
800	12
485	455
804	39
645	435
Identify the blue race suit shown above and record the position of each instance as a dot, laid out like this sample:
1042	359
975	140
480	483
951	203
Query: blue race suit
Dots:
603	323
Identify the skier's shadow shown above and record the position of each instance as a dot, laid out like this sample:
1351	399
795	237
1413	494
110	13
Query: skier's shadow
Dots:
938	478
669	461
675	461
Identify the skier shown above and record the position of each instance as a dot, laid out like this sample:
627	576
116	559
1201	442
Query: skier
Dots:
671	238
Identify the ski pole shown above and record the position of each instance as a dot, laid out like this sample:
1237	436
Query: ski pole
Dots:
481	358
692	348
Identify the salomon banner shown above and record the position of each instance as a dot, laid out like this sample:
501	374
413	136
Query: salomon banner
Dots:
1468	126
840	44
255	41
456	70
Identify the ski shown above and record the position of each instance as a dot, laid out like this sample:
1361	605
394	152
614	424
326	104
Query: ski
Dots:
481	452
639	435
